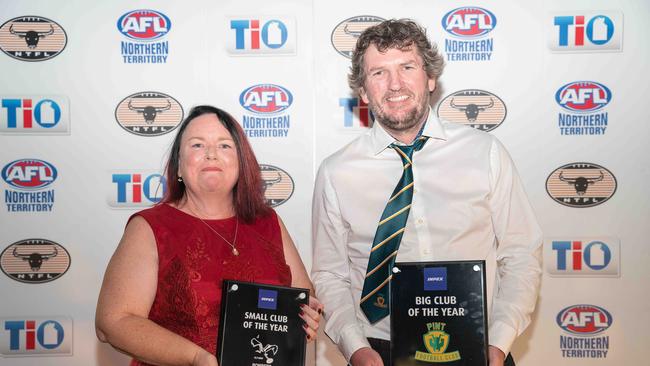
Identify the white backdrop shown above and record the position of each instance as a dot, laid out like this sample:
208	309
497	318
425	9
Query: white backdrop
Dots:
527	66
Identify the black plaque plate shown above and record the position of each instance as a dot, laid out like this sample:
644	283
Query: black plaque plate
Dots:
260	325
438	314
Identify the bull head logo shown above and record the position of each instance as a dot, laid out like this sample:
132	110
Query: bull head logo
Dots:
149	112
355	34
472	110
31	37
266	183
581	183
35	260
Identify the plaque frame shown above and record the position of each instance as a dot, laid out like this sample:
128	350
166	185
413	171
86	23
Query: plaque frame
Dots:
441	337
237	345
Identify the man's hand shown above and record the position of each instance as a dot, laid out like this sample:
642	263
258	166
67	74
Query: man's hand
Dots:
366	356
496	356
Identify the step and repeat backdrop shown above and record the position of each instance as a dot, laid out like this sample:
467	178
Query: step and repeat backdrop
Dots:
91	94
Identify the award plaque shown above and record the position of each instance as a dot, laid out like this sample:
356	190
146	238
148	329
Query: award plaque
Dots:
260	325
438	314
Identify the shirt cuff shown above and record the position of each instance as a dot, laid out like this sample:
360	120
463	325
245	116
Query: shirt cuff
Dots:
502	336
352	339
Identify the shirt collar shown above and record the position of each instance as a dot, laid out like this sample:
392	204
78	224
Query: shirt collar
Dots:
381	139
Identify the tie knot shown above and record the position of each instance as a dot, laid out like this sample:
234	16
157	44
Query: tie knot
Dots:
406	151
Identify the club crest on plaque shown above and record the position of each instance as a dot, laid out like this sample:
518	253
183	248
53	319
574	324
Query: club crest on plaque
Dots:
436	341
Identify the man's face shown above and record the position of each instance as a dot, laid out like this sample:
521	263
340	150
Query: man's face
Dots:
396	87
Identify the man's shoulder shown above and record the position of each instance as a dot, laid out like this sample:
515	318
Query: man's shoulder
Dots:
348	153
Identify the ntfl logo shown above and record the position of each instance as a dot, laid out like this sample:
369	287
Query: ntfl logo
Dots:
32	38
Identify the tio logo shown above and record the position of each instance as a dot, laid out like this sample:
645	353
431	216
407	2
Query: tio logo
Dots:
36	336
586	32
247	32
262	36
599	30
356	109
34	115
582	256
137	189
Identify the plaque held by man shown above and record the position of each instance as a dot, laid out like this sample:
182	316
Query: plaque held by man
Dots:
260	325
438	314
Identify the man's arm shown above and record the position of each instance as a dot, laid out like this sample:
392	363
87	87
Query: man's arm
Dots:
519	240
331	267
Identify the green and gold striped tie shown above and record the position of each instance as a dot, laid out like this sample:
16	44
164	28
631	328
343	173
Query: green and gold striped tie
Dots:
375	297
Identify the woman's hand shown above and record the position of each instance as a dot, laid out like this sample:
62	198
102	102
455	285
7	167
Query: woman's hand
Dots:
204	358
311	314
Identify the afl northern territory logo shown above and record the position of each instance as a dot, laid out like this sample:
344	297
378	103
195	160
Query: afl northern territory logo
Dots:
346	33
581	185
34	261
32	38
149	113
473	107
278	185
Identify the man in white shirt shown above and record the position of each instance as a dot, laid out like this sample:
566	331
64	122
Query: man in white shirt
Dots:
467	200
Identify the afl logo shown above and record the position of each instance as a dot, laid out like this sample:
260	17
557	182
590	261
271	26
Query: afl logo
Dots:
266	99
476	108
144	25
34	261
32	38
581	185
584	320
345	34
149	113
583	96
29	174
469	22
277	184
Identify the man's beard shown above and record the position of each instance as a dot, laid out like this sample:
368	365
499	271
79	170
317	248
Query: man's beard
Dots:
404	123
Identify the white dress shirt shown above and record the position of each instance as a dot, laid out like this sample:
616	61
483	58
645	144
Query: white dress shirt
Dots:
468	204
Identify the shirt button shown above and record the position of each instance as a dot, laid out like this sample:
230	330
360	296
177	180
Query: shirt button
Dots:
419	221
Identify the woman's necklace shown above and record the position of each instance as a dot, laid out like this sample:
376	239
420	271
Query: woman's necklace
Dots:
234	250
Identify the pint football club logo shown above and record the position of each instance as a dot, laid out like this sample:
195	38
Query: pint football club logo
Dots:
473	107
345	34
436	342
581	185
149	113
32	38
277	184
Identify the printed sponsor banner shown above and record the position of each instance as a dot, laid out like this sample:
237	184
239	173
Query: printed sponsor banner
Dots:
585	31
261	35
135	188
582	256
34	261
35	115
345	34
36	336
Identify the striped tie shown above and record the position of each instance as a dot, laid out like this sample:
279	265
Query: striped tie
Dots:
375	297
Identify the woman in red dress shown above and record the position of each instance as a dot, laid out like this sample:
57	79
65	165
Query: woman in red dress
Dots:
160	299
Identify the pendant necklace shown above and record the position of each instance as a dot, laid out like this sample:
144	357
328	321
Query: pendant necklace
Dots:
234	250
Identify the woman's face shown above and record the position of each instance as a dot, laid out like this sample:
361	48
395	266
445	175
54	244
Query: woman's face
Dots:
208	161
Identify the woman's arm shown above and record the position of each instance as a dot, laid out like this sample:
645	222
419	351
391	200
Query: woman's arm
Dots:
127	294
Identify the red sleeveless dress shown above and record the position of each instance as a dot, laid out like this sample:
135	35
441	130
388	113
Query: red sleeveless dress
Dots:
193	261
